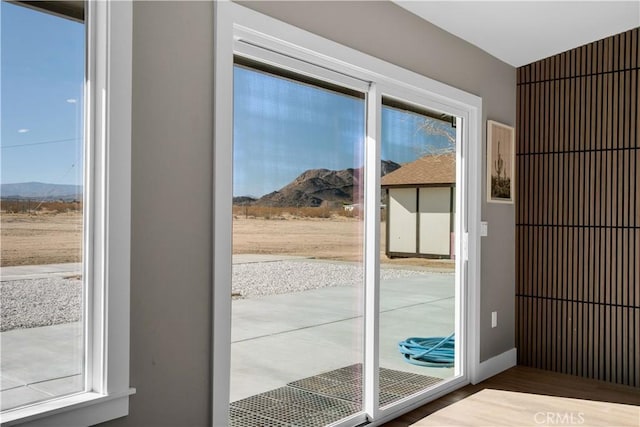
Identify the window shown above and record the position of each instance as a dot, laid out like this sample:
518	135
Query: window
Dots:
42	325
68	361
283	51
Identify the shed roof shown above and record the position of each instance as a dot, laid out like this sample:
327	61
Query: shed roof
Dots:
430	169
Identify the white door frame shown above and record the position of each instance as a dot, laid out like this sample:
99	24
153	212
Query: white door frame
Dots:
242	30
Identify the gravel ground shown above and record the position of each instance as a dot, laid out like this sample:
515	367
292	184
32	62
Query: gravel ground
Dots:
42	302
39	302
282	277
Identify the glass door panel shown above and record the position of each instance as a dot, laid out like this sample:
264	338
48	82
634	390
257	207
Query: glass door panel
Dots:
297	286
417	266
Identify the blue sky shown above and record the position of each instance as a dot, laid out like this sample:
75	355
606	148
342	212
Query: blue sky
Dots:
41	84
282	128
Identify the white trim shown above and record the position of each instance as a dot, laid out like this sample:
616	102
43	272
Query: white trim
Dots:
275	35
471	270
357	419
69	410
107	218
222	214
461	293
276	59
236	24
495	365
118	204
372	253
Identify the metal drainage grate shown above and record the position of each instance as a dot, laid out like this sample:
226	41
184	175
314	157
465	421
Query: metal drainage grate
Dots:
385	398
254	420
256	404
316	384
392	375
322	399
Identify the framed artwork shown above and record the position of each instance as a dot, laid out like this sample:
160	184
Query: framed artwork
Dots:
500	163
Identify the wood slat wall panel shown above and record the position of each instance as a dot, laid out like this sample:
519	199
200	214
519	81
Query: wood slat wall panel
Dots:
578	212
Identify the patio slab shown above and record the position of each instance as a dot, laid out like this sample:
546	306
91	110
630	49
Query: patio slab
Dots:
24	272
26	355
7	383
276	339
20	396
281	338
61	386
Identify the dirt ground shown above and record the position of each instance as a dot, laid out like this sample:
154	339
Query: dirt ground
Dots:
48	238
42	238
338	238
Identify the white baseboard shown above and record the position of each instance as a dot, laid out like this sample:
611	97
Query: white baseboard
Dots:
495	365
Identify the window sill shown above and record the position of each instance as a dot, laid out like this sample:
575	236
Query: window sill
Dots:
82	409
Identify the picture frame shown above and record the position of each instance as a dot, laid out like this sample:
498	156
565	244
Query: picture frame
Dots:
500	163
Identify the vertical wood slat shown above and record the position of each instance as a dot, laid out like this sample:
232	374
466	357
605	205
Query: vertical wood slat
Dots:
578	215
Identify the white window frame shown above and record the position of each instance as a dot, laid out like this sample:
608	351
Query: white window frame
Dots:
107	222
240	30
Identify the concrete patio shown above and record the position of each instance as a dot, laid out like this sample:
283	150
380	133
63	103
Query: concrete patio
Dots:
281	338
275	339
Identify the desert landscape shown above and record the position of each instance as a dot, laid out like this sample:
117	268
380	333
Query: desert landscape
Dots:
47	237
317	215
40	238
335	238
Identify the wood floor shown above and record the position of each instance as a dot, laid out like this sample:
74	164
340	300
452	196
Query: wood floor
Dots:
533	381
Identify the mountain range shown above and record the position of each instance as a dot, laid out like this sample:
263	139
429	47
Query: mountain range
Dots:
40	191
312	188
317	187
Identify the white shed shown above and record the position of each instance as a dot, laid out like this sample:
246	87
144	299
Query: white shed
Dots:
421	208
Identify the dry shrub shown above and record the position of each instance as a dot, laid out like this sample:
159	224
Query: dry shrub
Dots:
286	212
319	212
33	206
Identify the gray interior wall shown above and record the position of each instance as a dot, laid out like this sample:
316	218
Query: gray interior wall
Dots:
171	214
172	181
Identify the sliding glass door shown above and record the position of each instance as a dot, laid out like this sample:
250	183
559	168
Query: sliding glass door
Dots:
342	212
417	314
321	332
297	286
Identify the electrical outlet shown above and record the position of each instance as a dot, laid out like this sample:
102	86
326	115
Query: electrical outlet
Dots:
484	228
494	319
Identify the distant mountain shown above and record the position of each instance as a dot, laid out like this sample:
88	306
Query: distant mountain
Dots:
320	187
40	191
387	166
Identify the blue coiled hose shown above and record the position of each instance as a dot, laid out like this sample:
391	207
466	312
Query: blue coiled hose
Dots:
432	351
